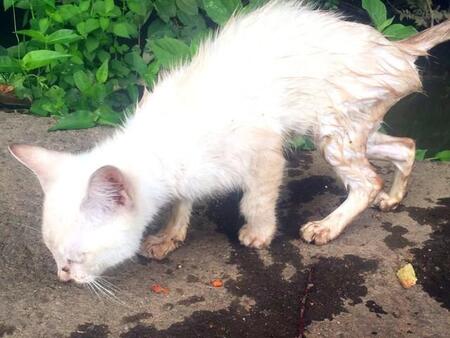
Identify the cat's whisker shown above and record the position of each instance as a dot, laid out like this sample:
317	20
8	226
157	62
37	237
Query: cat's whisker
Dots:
108	293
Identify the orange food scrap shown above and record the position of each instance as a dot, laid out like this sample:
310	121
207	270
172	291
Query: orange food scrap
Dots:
5	89
156	288
217	283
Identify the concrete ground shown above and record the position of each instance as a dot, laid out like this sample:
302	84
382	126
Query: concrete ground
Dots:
345	289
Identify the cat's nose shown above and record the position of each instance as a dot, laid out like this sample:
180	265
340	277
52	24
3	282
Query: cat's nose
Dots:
64	274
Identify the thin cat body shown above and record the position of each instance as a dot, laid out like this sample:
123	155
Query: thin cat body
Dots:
219	123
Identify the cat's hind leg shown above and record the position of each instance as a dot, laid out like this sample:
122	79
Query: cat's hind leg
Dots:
171	235
343	144
261	191
401	152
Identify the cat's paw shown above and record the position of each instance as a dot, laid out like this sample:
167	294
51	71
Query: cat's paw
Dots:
317	232
256	237
385	202
157	246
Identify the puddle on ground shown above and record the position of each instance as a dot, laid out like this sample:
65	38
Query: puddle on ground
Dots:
90	330
375	308
431	262
276	302
396	240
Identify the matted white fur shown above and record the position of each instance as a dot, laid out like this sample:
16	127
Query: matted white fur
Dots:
218	123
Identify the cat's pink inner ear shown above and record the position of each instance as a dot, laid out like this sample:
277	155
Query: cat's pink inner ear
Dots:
108	189
42	162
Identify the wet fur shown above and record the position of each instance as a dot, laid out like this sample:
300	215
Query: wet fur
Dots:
219	123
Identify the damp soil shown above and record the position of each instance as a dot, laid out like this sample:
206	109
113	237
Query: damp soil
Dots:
431	261
333	282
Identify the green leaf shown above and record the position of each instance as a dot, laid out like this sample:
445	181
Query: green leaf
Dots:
138	6
8	3
136	62
442	156
63	36
166	9
102	73
189	7
420	154
91	44
82	81
385	24
122	29
159	29
302	143
9	65
88	26
376	10
104	23
109	5
40	58
109	117
168	50
36	35
43	25
80	119
399	31
221	10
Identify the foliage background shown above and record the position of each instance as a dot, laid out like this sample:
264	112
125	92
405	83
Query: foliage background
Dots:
86	61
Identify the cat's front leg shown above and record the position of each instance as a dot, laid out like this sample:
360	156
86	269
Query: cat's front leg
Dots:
172	235
261	193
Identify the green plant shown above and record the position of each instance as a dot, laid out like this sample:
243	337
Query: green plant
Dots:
378	14
83	61
423	12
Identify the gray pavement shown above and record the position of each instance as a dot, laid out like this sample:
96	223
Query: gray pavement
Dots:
345	289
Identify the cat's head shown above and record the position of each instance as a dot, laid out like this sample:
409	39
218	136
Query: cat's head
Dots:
89	213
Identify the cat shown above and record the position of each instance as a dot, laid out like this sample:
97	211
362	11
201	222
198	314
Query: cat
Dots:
219	122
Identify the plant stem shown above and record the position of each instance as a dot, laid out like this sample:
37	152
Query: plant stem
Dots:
15	30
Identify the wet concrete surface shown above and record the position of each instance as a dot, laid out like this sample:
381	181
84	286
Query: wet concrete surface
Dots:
345	289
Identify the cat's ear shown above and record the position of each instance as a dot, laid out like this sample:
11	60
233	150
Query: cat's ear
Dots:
42	162
108	191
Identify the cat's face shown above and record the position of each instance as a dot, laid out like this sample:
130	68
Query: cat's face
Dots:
88	217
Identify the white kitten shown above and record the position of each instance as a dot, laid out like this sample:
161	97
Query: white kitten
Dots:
218	123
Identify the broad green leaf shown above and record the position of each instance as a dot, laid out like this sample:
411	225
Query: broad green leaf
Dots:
385	24
119	68
8	3
102	73
376	10
159	29
121	29
166	9
63	36
91	44
442	156
302	143
399	31
82	81
67	12
88	26
36	35
420	154
104	23
189	7
109	118
9	65
109	5
80	119
43	25
136	62
40	58
169	51
221	10
138	6
85	5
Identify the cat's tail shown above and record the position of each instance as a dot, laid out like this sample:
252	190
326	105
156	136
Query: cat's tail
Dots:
422	42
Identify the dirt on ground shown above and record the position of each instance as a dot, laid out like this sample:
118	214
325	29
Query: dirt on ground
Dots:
347	288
